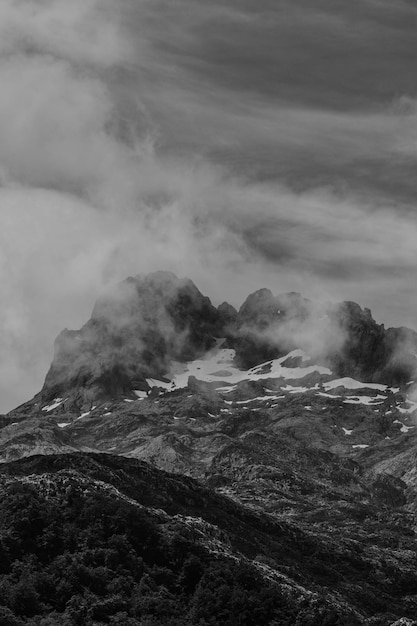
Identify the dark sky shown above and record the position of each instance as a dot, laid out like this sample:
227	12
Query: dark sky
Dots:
243	143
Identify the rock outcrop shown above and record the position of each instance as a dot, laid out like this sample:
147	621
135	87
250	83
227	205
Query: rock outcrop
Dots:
144	324
343	336
136	330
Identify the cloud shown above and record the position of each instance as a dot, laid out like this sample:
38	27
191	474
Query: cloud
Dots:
52	125
81	31
58	253
138	135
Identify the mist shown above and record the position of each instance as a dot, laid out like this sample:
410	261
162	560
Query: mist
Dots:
215	141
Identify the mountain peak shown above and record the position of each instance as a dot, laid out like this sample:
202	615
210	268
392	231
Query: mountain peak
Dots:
136	329
142	325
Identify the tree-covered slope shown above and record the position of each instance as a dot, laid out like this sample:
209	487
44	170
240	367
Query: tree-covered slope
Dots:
99	539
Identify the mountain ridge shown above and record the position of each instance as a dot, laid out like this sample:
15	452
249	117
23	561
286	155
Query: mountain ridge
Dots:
311	449
144	323
291	572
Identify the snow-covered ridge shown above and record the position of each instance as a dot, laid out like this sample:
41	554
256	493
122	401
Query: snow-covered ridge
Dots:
218	366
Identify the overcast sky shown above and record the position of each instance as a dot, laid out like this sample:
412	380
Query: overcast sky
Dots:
244	143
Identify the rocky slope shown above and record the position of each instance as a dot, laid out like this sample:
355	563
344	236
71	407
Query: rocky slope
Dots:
298	414
112	540
144	324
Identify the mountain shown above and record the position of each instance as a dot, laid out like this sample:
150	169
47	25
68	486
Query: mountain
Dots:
275	444
112	540
144	324
342	336
135	331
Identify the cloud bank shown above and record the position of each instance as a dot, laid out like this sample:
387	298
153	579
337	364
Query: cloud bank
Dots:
244	147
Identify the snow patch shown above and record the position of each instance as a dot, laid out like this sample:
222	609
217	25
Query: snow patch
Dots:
350	383
257	399
154	382
412	407
367	400
83	415
404	428
327	395
55	404
140	394
220	362
292	389
297	354
226	389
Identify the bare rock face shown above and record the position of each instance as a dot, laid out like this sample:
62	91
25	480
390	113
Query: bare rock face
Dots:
368	351
228	316
267	325
138	328
344	336
135	331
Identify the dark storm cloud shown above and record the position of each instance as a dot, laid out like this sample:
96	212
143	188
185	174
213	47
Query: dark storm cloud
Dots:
324	53
310	93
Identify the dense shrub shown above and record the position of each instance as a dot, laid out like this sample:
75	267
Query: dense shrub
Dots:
93	558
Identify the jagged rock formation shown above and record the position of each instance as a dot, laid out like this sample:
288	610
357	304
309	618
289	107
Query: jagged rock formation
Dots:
135	331
267	326
369	352
343	336
142	325
228	317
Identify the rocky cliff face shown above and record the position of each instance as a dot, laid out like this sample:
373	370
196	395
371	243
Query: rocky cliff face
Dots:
136	330
369	352
267	326
343	336
144	324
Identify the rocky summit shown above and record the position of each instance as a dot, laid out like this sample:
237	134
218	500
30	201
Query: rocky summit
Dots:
214	466
145	325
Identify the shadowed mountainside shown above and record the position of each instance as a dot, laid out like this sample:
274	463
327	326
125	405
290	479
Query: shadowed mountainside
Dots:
112	540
